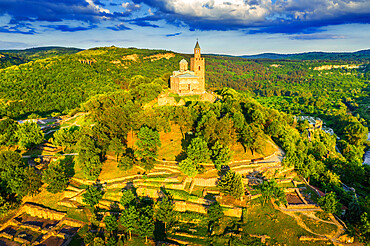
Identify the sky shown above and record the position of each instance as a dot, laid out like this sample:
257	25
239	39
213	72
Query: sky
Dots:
234	27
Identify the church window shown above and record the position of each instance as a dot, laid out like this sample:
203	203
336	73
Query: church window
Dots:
199	68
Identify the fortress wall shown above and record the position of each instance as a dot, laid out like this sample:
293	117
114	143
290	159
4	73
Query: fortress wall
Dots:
37	211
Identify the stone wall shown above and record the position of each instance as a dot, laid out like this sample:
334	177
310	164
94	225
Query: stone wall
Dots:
37	211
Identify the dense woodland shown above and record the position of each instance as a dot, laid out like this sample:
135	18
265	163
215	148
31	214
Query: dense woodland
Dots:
112	85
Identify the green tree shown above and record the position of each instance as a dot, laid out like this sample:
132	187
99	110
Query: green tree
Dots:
15	177
231	184
8	127
365	228
145	226
126	163
164	211
147	144
116	146
56	177
66	137
188	167
5	205
111	223
270	189
89	157
329	203
98	241
128	198
129	219
93	195
220	155
214	213
198	150
29	134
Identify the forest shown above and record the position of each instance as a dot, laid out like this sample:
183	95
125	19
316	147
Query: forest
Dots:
260	100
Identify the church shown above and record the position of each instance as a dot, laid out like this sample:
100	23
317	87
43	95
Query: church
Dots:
189	82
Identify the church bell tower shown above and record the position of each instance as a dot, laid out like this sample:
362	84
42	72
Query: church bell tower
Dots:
197	65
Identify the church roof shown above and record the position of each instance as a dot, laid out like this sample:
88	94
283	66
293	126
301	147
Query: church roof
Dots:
187	75
197	46
183	61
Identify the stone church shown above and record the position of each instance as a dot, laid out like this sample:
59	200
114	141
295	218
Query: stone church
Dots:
189	82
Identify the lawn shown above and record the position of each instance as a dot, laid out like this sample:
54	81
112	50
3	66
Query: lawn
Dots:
265	220
318	226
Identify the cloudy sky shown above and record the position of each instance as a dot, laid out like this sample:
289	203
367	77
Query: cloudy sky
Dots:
222	26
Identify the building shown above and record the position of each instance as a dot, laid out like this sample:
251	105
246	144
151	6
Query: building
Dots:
189	82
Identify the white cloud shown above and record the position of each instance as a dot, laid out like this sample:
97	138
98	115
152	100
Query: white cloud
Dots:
98	8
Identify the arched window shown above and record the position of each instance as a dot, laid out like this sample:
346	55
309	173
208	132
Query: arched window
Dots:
199	68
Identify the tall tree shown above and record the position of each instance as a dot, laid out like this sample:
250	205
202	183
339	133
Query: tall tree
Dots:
8	127
164	211
220	155
198	150
29	134
56	177
66	137
145	226
129	219
147	144
89	157
231	184
93	195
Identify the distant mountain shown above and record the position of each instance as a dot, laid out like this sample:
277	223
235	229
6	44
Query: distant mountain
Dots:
42	52
358	55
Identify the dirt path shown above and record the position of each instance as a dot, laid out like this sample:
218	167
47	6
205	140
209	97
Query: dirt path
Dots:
340	228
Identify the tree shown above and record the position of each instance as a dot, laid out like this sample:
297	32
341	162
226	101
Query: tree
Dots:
98	241
89	156
164	211
214	213
129	219
17	178
148	143
93	195
231	184
188	167
145	226
116	146
56	177
270	189
110	223
8	127
220	155
198	150
66	137
126	163
329	203
356	133
128	197
365	227
29	134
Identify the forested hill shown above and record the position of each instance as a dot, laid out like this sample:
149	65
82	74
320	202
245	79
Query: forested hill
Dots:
62	83
7	60
15	57
42	52
358	55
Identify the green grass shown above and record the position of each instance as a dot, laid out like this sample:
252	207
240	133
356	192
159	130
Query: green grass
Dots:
318	226
265	220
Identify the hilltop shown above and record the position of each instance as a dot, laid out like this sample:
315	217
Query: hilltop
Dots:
348	56
43	87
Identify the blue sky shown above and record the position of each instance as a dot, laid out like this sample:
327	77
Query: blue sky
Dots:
222	26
